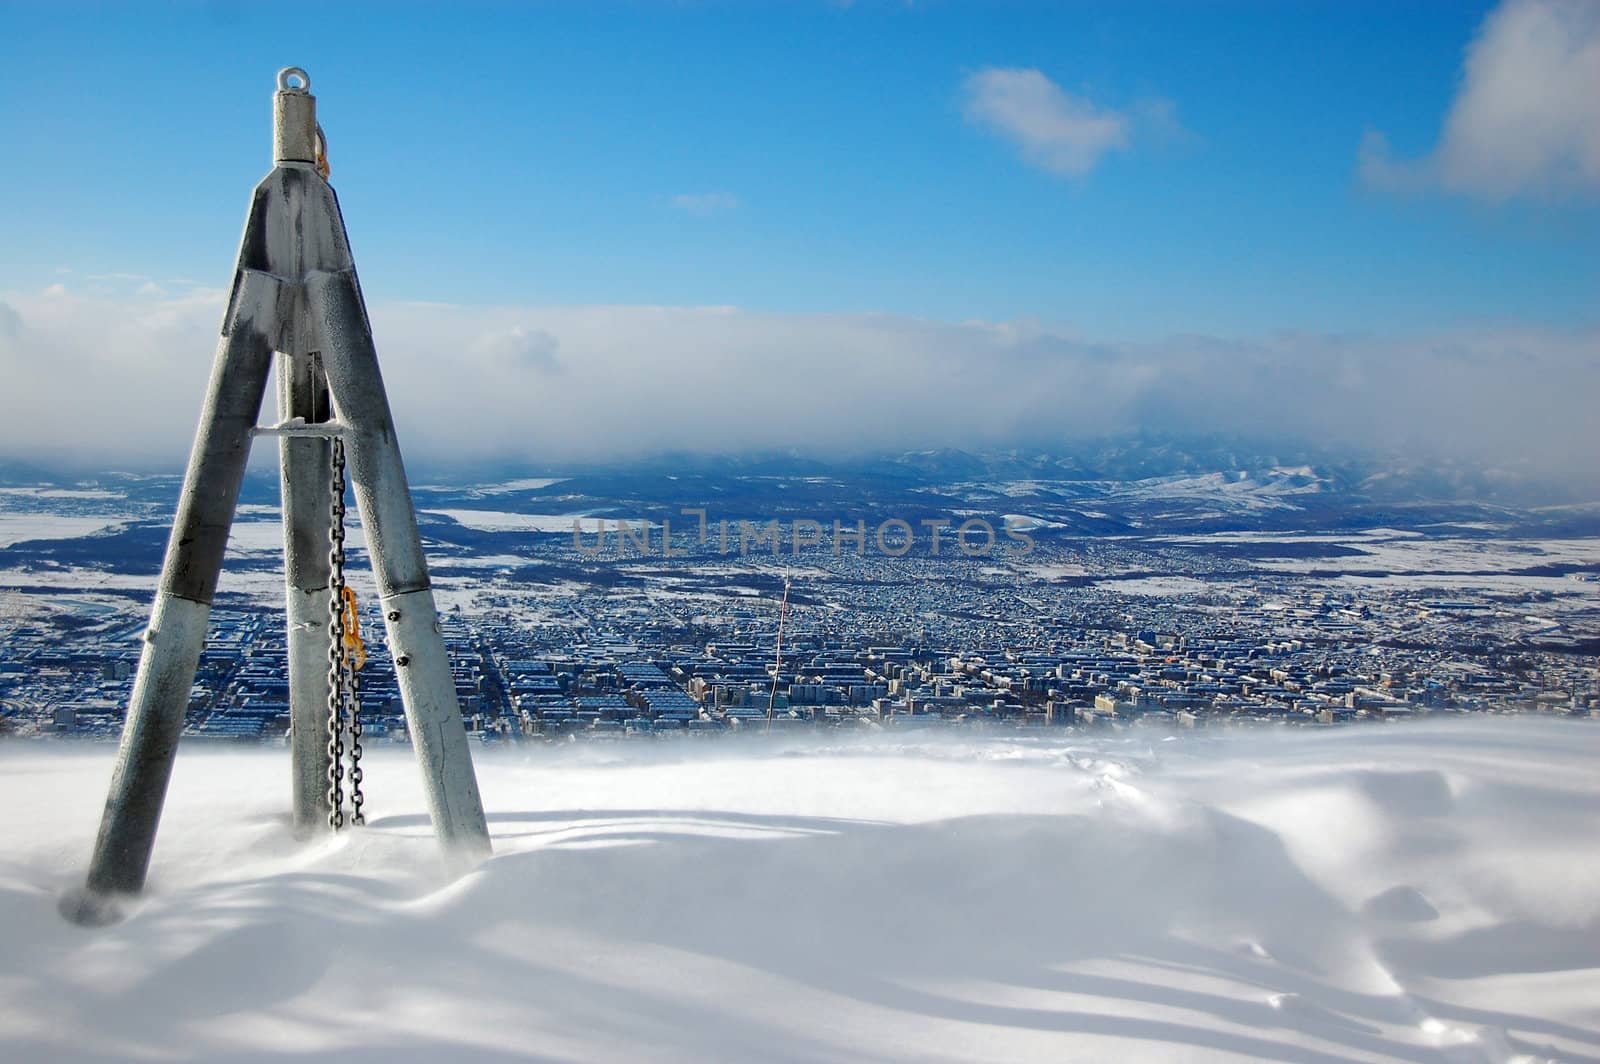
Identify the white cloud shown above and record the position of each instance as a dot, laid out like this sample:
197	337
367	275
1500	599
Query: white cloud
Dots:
704	203
1526	118
1055	130
102	379
521	348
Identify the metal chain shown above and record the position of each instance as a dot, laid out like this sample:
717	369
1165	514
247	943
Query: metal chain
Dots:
337	665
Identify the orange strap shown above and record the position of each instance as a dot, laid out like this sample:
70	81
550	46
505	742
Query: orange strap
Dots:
354	648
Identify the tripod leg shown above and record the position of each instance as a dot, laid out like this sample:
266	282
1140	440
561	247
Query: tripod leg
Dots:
182	606
433	716
307	496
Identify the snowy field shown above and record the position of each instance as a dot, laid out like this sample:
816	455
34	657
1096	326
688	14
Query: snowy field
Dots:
1418	893
20	528
503	521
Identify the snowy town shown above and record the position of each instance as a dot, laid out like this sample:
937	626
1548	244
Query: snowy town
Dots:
648	649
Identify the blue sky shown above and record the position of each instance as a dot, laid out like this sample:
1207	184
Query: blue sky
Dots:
636	228
798	157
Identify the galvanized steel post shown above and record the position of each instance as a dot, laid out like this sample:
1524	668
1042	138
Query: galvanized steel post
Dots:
304	464
306	498
427	688
189	575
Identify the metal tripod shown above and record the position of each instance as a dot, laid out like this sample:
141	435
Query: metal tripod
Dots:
295	293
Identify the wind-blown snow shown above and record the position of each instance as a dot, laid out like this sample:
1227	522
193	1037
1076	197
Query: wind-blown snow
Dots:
1417	893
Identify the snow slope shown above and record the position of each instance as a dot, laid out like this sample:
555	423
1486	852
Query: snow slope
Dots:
1418	893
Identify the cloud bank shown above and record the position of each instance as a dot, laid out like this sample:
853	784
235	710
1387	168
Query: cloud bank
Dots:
1526	119
118	380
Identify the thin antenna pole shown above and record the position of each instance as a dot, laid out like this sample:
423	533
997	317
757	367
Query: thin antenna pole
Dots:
777	660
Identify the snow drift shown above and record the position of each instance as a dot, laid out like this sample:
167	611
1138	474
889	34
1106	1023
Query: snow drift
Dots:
1416	893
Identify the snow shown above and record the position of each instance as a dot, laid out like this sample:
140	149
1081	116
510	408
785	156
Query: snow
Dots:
60	493
266	537
1230	492
21	528
1160	586
503	521
1428	892
1023	523
1053	572
1399	555
525	484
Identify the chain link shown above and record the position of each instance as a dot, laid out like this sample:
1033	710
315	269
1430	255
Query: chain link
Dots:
337	664
344	687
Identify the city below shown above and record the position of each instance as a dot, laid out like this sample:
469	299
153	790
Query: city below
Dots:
1195	599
